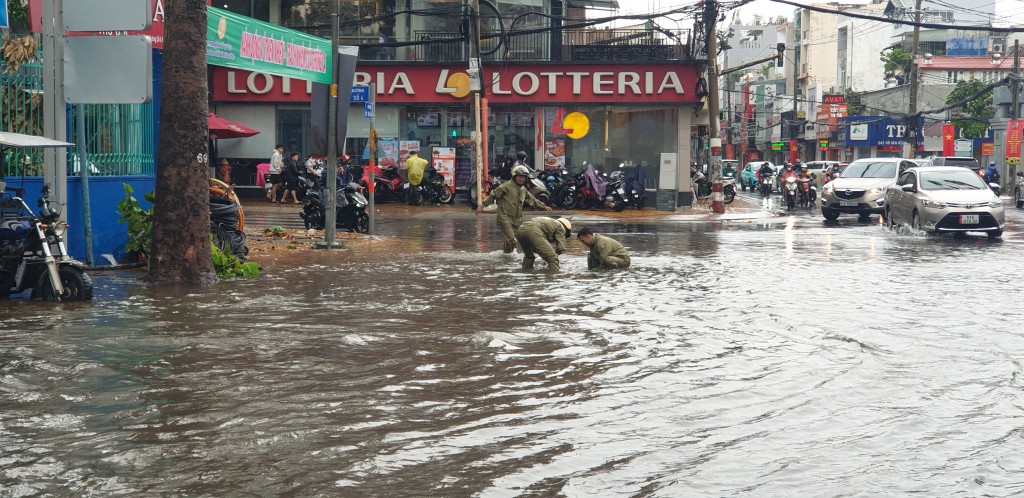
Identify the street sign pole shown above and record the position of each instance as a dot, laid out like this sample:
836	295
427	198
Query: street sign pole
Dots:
371	182
331	190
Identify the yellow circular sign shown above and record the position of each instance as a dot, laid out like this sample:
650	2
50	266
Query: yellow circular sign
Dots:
459	82
577	124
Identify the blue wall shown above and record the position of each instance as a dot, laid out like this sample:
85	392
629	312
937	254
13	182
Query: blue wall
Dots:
108	235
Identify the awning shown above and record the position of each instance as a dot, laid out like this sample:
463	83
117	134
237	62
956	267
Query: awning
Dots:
225	128
21	141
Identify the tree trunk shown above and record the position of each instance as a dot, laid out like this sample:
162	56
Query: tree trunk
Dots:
181	213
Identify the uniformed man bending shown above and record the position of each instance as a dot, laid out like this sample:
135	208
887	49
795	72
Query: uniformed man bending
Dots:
537	235
605	253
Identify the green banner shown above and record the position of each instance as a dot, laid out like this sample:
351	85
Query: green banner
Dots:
246	43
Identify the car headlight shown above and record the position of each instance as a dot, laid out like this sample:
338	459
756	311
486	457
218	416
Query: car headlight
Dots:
828	189
878	190
933	204
996	203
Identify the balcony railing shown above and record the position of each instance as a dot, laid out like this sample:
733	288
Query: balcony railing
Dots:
540	45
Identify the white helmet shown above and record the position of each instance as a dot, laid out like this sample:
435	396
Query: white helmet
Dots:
567	224
521	170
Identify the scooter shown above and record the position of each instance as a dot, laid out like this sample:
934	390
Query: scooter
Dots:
729	189
33	254
432	189
766	186
789	192
350	212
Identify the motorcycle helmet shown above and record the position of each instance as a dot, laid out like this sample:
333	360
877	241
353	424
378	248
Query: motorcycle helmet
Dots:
567	224
521	171
521	156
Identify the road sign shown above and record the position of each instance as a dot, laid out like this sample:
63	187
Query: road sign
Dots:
94	69
360	93
107	15
368	110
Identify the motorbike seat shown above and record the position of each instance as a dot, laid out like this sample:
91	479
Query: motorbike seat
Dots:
14	229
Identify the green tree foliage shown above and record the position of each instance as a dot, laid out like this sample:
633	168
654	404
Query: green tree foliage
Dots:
972	118
897	62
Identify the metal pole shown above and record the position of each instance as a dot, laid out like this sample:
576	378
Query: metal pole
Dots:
717	200
54	108
912	112
371	183
1015	87
83	168
475	74
331	190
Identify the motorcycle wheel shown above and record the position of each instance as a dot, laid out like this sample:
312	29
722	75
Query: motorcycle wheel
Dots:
364	222
619	205
313	217
444	194
567	201
730	195
544	197
77	285
418	196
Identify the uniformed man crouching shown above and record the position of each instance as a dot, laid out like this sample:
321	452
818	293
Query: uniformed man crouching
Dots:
605	253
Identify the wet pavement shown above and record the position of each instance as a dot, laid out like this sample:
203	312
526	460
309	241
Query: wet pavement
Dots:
758	356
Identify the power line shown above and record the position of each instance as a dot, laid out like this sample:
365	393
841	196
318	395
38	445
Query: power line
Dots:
962	27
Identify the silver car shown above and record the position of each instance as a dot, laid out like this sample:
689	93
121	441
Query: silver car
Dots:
860	189
944	199
1018	191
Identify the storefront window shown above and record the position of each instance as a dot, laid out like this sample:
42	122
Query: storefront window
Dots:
293	130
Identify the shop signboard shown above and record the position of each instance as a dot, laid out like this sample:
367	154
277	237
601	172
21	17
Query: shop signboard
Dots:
406	147
238	41
443	160
554	153
822	144
777	146
387	153
988	149
876	131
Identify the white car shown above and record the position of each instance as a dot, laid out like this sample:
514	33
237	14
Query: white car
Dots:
944	199
860	189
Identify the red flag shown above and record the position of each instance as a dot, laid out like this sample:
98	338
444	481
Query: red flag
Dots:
794	151
948	136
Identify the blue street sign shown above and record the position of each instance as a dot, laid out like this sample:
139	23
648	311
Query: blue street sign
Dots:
3	14
368	110
360	93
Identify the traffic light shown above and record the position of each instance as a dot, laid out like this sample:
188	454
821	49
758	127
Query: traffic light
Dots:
781	47
454	132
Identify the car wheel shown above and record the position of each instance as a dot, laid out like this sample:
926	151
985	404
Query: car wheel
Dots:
995	234
1018	199
829	214
889	223
915	221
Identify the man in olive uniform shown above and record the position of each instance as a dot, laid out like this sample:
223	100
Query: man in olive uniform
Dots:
510	197
605	253
537	235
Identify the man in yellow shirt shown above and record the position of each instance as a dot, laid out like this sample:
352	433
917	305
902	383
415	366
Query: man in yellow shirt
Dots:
414	167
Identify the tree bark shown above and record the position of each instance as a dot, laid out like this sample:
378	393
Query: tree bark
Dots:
181	214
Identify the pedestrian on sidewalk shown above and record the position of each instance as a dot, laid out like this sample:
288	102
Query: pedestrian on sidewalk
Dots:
538	235
510	197
606	253
276	165
291	178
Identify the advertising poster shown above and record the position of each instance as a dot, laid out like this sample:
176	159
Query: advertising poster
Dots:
554	153
404	148
387	154
443	160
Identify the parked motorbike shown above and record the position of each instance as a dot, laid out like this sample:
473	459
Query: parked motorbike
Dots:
389	185
350	212
729	189
789	192
432	189
615	196
493	181
565	194
539	189
635	186
33	254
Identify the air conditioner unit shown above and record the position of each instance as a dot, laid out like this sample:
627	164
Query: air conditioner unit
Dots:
997	48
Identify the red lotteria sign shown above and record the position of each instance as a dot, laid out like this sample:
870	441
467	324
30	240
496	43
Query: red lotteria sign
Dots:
597	84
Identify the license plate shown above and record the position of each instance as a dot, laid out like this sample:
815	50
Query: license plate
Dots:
969	219
622	191
848	203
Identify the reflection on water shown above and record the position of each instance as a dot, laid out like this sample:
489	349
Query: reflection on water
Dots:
746	359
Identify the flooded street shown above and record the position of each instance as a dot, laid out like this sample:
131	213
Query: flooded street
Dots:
768	357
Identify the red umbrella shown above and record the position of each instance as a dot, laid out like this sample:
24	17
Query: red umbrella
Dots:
223	128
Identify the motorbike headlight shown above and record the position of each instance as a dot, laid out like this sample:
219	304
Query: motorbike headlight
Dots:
933	204
995	203
59	228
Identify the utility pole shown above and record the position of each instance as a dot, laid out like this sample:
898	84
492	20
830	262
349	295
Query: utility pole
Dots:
794	125
912	111
728	104
717	199
331	193
475	74
1015	83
